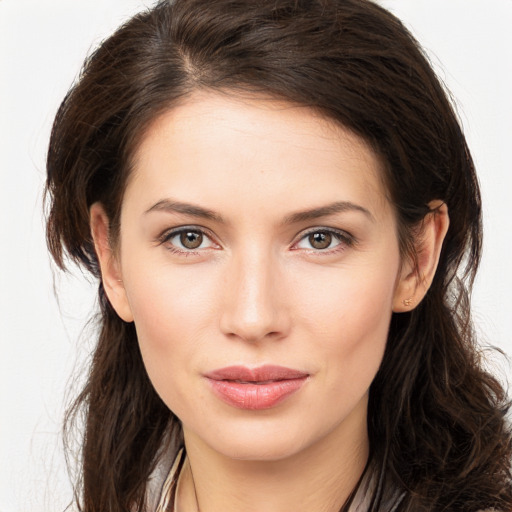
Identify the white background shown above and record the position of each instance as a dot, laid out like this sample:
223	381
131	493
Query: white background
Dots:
42	45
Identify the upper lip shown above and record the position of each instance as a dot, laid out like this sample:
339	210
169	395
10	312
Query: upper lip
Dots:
266	373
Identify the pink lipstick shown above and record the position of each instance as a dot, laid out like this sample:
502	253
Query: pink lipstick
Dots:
257	388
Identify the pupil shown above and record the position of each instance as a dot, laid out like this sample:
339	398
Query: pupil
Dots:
320	240
191	240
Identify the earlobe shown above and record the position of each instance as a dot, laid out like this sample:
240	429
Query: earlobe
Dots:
111	275
416	278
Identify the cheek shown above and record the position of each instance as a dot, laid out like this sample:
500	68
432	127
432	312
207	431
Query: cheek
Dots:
167	321
347	317
347	300
163	298
172	309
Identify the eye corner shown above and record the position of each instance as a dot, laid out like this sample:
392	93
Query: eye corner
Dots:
179	246
343	239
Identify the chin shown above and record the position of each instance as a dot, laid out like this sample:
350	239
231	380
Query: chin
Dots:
262	449
264	440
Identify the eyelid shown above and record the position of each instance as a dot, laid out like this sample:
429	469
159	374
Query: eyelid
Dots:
345	238
169	234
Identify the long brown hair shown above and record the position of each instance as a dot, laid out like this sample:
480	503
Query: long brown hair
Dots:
437	420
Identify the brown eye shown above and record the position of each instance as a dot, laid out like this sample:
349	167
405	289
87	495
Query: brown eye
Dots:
191	239
320	239
187	241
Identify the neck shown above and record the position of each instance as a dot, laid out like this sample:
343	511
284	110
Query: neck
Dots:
320	477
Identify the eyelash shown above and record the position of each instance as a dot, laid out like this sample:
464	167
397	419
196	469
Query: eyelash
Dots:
345	239
165	238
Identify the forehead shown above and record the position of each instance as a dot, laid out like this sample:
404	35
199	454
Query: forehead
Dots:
214	148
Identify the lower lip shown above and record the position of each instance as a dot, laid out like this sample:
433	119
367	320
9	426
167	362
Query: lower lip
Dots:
256	396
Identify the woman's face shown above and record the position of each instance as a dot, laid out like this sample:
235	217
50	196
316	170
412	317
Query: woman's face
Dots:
260	264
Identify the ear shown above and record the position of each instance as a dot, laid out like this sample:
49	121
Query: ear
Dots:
109	264
417	276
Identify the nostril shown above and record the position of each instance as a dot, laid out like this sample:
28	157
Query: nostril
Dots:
252	333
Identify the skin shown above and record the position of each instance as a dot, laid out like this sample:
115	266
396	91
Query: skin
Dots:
259	291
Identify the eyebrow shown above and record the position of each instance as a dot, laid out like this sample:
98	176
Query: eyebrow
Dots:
168	205
171	206
324	211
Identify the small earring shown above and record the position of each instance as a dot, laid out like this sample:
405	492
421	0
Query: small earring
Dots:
407	302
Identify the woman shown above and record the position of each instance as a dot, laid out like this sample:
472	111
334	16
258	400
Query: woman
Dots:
285	220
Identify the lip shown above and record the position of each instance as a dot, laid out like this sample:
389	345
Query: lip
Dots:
255	388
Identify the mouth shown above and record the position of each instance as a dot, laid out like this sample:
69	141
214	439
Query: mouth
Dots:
255	388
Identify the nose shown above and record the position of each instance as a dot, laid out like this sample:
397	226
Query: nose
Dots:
254	307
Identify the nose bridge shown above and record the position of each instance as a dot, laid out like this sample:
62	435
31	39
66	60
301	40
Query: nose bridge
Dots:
252	309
